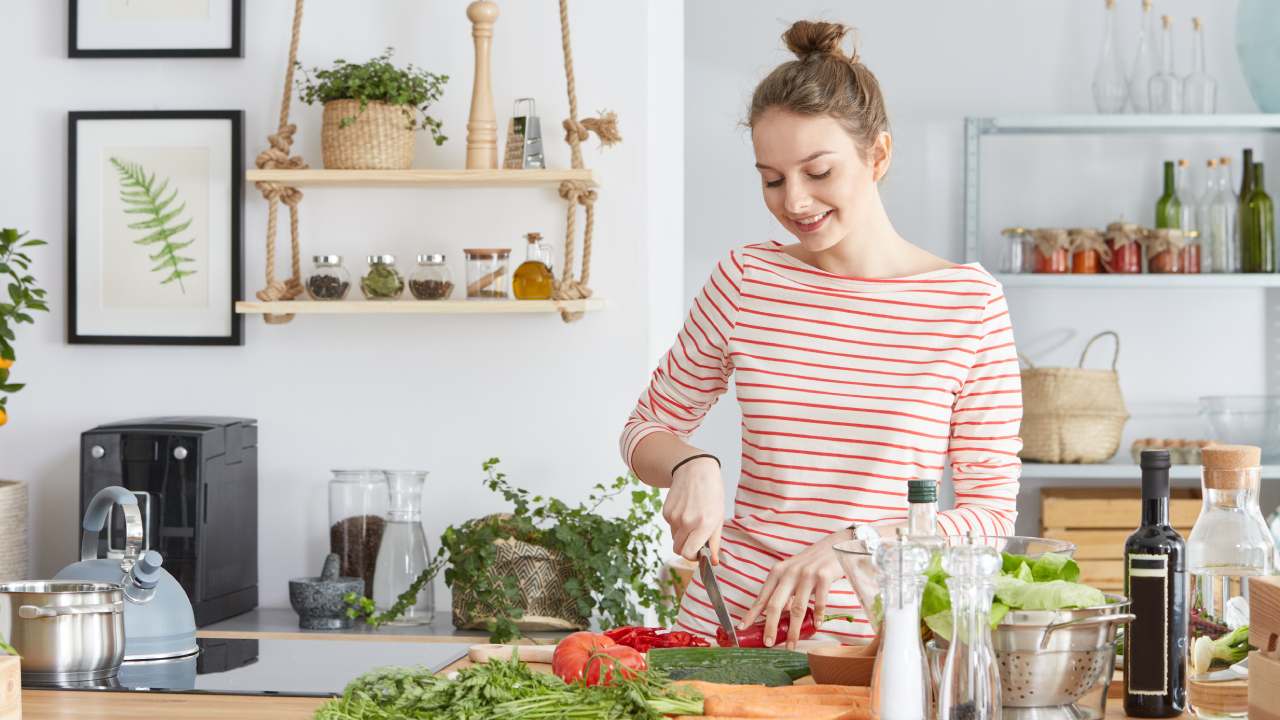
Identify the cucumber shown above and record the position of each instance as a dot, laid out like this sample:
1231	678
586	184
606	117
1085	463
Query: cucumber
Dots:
676	660
736	675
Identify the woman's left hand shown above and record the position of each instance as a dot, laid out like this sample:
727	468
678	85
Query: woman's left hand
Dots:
790	585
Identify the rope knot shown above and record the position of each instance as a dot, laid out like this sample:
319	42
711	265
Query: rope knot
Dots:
605	127
575	131
286	289
570	289
577	192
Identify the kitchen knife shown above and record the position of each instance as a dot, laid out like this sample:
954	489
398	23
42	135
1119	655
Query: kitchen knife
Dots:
708	574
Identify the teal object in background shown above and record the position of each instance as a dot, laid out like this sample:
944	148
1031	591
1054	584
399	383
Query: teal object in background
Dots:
1257	31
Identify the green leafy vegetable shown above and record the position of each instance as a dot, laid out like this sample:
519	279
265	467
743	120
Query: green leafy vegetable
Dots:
1052	595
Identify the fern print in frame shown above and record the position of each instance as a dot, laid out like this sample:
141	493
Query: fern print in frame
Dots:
142	196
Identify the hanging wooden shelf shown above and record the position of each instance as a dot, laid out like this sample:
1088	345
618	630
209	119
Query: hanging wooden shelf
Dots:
416	307
422	178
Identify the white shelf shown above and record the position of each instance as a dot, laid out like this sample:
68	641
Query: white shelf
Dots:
421	178
417	307
1155	281
1093	123
1117	471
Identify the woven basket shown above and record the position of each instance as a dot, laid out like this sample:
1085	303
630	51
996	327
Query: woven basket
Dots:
541	575
13	531
1072	415
380	137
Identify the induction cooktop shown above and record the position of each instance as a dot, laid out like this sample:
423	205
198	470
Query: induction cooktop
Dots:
307	668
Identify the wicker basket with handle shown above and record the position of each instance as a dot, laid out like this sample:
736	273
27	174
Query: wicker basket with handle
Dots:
1072	415
13	531
381	136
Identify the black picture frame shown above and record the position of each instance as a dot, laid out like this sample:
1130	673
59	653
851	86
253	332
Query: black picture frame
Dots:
236	226
236	50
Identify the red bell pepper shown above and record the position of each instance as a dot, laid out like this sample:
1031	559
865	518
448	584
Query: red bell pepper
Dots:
754	635
645	639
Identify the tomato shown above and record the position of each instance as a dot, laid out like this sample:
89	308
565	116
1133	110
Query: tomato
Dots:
615	658
571	655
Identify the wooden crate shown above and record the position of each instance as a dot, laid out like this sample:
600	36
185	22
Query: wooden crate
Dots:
1099	520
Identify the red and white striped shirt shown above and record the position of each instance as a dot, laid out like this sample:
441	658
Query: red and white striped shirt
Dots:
848	388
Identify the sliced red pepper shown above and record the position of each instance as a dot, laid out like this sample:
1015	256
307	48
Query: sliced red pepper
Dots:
754	635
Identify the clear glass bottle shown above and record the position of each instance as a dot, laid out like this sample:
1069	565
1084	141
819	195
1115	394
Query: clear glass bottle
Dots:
487	273
1186	198
328	280
1165	87
1207	223
922	508
404	554
533	279
970	679
1199	89
1110	88
1230	541
357	519
1146	60
383	281
431	280
900	681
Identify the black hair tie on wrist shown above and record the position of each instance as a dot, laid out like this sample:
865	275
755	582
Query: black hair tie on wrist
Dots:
691	458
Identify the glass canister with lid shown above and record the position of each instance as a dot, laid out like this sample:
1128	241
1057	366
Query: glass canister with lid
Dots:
357	519
431	280
488	277
383	281
328	280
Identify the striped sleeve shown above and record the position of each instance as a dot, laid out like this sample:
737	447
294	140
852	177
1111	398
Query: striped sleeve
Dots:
696	370
984	440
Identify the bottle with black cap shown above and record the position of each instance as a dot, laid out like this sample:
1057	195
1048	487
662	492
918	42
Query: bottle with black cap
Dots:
1155	579
922	508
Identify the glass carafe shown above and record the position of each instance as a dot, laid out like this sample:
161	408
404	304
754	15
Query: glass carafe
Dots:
1164	89
357	519
404	554
900	682
1146	60
1110	88
970	679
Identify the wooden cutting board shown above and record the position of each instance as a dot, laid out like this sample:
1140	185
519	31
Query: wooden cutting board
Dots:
10	688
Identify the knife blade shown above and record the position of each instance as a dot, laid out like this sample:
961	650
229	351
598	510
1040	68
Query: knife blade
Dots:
708	574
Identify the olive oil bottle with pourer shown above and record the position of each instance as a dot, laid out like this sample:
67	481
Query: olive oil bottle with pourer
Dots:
533	279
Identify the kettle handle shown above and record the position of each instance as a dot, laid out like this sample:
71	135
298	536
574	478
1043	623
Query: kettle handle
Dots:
95	518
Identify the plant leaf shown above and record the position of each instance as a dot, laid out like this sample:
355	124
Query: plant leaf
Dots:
139	190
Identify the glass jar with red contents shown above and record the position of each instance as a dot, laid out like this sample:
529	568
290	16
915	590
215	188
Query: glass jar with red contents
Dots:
1051	253
1191	253
1124	241
1088	251
1164	250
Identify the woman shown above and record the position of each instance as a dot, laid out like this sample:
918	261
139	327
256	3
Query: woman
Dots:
860	361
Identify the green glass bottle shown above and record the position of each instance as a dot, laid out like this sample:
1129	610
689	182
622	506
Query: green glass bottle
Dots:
1169	206
1257	227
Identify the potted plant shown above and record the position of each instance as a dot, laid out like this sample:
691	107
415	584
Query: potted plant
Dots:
548	564
372	111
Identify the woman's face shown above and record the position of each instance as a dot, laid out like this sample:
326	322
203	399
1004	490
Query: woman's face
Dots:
814	179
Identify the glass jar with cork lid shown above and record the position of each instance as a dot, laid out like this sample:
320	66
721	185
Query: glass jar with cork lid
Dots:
487	273
533	279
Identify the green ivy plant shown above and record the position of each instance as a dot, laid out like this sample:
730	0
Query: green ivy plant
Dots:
614	562
377	81
24	298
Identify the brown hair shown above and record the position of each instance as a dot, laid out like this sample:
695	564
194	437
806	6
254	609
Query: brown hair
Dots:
822	80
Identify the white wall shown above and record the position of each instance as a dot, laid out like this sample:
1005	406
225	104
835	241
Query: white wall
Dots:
937	63
441	393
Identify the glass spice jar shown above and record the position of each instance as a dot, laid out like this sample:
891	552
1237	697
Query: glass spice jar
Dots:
328	280
487	273
1051	255
1164	250
1191	253
431	281
1087	251
1017	251
383	281
1123	242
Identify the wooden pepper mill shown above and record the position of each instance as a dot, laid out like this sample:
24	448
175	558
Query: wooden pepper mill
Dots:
482	126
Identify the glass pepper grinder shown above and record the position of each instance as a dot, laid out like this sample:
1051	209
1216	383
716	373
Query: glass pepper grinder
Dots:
899	683
970	679
404	554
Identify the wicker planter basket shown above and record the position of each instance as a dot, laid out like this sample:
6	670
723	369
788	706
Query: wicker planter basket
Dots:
541	574
13	531
380	137
1072	415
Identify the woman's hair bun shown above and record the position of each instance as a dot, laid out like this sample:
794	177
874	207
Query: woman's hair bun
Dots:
809	39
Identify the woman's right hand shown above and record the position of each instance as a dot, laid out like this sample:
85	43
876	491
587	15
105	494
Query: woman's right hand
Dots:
695	508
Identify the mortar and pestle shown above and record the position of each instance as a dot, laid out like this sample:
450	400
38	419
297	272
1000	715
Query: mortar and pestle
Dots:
319	600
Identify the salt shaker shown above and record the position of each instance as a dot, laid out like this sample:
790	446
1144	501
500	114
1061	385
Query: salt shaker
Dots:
970	679
899	684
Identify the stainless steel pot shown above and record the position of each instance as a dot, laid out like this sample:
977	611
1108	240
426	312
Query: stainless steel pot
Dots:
65	631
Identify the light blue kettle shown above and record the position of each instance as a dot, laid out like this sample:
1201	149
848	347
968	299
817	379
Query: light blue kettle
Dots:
158	621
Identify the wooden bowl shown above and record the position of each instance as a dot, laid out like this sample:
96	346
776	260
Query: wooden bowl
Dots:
842	664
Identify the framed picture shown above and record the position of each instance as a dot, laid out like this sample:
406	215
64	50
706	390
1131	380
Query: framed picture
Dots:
155	28
154	227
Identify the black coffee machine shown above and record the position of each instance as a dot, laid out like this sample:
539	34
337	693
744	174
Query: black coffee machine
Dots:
196	479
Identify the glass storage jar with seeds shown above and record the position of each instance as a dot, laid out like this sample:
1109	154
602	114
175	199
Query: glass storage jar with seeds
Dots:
328	280
488	277
383	281
431	280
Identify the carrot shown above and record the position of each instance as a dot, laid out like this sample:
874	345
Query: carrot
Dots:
856	714
814	690
710	688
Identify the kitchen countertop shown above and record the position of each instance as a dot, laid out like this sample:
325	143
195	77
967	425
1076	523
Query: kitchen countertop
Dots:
282	624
